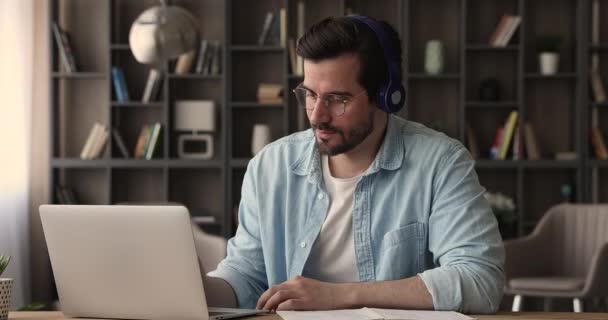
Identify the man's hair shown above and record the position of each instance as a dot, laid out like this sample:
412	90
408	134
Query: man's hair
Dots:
335	36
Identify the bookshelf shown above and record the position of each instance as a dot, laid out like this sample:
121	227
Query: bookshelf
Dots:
558	106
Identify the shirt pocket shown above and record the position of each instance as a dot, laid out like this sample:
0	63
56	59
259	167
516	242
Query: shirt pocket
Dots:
402	252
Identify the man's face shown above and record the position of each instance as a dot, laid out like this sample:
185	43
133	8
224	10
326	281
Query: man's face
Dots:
336	134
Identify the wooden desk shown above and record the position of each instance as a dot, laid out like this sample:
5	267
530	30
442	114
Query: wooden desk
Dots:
499	316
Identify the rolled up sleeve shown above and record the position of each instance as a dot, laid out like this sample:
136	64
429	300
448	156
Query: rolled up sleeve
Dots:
244	268
464	240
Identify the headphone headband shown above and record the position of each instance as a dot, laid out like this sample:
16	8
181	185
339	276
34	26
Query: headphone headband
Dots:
391	96
387	47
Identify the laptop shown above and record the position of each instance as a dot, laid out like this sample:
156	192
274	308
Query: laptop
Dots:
127	262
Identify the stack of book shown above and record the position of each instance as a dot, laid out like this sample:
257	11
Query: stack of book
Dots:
270	93
504	30
120	85
503	137
510	132
95	143
207	61
149	141
66	51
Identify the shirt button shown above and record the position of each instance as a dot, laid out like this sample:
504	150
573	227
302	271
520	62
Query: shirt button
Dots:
320	196
303	244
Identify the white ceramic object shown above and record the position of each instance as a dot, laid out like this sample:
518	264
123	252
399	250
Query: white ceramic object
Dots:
549	62
433	57
260	137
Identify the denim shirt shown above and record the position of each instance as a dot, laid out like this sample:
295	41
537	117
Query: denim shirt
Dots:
418	210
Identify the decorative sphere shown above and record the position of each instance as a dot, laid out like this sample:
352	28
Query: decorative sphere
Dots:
161	33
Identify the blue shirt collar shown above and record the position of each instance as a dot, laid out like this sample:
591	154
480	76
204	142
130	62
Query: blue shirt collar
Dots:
389	157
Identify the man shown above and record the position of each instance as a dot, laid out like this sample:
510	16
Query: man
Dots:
365	208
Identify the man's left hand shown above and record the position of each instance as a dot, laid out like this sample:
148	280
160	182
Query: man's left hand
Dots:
301	293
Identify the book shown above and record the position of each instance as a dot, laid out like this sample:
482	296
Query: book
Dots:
516	143
282	27
120	143
216	61
531	143
597	86
266	28
89	143
598	144
148	139
60	198
100	143
208	59
293	57
595	22
512	25
499	30
153	85
69	195
472	143
200	58
184	62
59	42
494	150
141	142
120	85
566	156
270	93
507	135
65	195
301	29
153	144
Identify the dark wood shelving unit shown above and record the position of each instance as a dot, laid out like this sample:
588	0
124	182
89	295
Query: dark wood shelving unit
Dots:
558	106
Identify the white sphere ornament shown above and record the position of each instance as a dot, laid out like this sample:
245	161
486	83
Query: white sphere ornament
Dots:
162	33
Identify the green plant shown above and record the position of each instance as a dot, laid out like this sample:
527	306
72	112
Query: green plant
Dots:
4	260
34	306
549	43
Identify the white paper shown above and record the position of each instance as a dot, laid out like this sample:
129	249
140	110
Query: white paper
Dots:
393	314
372	314
348	314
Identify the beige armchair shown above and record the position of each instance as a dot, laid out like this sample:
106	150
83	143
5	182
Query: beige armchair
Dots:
211	249
565	256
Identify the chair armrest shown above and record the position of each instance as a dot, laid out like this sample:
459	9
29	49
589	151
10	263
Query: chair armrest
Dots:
596	282
522	257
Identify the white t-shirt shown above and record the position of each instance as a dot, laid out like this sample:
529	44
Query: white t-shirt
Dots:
332	257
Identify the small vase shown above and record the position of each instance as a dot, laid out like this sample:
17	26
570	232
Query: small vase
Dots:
6	286
259	138
433	57
549	62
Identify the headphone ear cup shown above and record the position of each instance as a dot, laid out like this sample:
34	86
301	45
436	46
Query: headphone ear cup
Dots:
381	99
391	99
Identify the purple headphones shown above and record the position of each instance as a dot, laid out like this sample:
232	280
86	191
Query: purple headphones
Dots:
391	95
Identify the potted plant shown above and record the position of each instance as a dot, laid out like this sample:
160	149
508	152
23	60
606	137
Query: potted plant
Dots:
548	48
6	285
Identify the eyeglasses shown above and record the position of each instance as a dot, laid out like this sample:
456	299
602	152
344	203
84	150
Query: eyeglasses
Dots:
336	103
